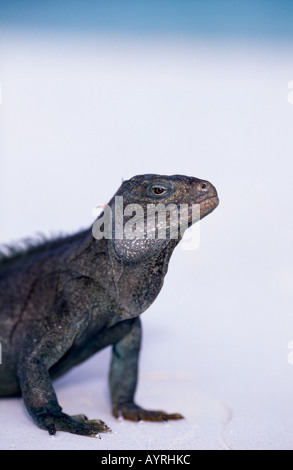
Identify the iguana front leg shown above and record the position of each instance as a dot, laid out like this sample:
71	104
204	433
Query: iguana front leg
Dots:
43	347
123	379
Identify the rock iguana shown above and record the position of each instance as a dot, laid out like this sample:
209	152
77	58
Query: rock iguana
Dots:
63	300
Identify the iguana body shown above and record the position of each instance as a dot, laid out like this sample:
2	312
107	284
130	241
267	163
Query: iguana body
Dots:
64	300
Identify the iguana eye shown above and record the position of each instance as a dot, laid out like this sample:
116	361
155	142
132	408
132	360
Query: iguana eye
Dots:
158	190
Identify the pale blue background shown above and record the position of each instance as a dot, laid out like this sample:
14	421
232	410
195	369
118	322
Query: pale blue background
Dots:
93	92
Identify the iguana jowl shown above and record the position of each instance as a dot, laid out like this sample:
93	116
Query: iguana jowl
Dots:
66	299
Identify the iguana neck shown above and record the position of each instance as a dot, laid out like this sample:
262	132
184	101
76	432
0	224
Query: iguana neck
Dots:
138	283
135	284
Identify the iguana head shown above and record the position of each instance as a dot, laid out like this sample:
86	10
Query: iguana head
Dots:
175	189
149	210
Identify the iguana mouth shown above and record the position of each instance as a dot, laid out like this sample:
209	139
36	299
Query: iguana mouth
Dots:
215	198
208	205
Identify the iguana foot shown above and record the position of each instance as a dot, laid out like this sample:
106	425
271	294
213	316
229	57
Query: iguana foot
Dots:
78	424
53	421
135	413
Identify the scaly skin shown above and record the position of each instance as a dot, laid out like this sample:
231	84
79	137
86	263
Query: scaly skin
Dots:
66	299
